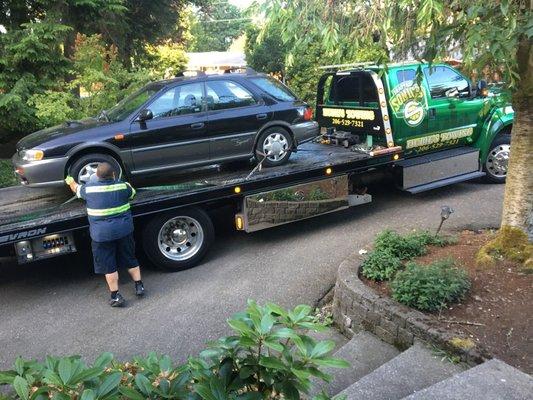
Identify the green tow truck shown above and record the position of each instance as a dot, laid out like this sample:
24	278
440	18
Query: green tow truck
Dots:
450	130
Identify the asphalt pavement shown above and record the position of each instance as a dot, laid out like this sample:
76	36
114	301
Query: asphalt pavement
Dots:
59	307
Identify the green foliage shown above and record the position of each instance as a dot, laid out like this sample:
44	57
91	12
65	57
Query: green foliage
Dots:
215	26
268	357
7	177
318	194
166	60
54	107
381	265
265	50
430	287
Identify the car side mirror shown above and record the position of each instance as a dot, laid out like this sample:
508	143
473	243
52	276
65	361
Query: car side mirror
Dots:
145	115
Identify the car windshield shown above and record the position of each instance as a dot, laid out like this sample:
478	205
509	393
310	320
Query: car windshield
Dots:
274	88
128	105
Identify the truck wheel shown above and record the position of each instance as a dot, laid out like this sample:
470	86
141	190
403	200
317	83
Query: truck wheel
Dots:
178	240
497	161
276	144
84	167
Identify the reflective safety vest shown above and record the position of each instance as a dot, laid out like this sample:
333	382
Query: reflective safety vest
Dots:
108	208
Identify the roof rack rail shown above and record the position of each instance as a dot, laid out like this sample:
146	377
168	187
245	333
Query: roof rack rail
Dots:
350	65
182	73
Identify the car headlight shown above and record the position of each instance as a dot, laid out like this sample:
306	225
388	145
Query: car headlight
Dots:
32	155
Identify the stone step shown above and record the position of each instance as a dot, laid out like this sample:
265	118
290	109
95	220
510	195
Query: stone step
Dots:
330	334
492	380
365	352
413	370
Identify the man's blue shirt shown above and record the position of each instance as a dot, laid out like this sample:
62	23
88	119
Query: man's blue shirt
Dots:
108	208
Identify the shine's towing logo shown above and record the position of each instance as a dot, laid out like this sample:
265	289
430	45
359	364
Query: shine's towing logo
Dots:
409	102
22	235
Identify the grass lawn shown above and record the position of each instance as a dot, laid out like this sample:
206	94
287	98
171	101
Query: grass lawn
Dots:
7	177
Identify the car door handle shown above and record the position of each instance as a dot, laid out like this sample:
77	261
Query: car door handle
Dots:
198	125
261	116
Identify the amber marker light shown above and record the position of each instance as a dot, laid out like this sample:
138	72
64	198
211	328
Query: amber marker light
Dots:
396	157
239	222
119	136
329	171
237	189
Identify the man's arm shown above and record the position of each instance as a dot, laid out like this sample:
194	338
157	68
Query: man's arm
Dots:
69	180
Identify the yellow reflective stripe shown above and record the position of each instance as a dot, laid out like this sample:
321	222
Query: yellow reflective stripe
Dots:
106	188
106	212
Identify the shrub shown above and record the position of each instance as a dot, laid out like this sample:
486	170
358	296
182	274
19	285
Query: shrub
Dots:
405	247
381	265
269	357
430	287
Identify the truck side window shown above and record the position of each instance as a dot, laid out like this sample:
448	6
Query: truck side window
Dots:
405	75
441	79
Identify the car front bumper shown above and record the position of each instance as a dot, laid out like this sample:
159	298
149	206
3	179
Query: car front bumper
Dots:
305	130
46	172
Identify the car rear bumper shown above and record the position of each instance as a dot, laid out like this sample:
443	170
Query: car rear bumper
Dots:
47	172
305	130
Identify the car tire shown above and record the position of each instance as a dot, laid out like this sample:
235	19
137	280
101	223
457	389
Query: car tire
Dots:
495	166
178	240
277	140
82	166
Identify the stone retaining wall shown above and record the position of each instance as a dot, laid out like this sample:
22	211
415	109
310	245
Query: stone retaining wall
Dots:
358	307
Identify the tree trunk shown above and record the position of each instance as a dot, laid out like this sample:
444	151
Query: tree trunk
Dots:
518	200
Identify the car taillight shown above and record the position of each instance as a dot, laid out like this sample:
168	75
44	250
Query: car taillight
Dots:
308	114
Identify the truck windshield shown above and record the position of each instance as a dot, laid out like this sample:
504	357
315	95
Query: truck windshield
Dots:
274	88
125	107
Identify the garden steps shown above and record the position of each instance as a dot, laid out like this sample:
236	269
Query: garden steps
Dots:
365	352
414	369
492	380
330	334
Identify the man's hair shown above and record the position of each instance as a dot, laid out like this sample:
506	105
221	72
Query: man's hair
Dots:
104	171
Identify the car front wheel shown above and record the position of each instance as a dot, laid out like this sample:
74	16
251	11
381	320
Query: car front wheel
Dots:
273	147
84	168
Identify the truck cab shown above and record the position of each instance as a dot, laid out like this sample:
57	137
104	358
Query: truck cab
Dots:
424	108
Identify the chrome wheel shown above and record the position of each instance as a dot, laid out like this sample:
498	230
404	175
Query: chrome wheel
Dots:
498	161
275	146
180	238
87	171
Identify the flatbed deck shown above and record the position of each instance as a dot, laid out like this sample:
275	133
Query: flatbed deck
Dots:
23	209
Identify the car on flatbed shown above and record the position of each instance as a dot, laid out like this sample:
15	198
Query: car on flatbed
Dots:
172	125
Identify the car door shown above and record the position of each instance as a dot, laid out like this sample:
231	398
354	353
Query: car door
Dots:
451	106
176	135
235	115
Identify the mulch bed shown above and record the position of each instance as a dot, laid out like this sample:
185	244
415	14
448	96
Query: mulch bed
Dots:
497	311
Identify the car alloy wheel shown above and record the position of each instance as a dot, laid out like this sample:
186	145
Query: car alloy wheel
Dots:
87	171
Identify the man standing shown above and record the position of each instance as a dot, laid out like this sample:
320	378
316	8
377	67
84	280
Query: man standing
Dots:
111	228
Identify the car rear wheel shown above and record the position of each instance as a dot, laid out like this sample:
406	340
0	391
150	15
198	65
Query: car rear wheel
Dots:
273	147
84	167
178	240
497	160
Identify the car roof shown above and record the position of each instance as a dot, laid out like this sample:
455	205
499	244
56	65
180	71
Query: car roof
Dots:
202	76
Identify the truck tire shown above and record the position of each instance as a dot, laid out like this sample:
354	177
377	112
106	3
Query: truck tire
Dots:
84	167
495	165
178	240
275	141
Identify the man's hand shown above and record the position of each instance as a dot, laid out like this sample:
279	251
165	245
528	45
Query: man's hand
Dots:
69	180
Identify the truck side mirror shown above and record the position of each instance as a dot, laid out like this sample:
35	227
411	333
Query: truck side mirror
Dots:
482	88
145	115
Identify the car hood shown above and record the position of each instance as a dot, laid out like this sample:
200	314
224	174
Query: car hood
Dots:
68	128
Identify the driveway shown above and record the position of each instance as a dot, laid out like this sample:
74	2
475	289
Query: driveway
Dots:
59	307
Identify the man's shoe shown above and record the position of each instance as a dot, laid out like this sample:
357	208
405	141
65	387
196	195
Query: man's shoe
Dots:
139	289
117	301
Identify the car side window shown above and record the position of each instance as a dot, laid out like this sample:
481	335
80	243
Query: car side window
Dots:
222	95
441	79
179	100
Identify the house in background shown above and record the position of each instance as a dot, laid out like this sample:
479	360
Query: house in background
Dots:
215	62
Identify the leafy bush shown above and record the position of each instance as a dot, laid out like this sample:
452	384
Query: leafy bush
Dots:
405	247
430	287
381	265
269	357
7	177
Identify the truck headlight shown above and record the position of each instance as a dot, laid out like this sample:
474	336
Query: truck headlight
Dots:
32	155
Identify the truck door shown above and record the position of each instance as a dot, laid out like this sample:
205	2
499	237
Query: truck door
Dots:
452	111
408	103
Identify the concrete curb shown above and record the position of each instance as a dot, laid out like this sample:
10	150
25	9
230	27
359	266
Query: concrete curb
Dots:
357	307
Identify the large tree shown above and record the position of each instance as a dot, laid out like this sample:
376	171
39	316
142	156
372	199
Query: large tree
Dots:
495	34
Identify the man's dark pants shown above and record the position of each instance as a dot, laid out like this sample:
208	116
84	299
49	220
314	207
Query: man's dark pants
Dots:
114	254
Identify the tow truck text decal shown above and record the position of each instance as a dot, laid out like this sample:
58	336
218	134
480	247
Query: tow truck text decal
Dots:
22	235
439	139
349	117
408	100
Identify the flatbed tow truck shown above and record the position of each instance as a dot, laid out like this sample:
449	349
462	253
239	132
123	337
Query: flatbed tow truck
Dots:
425	126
